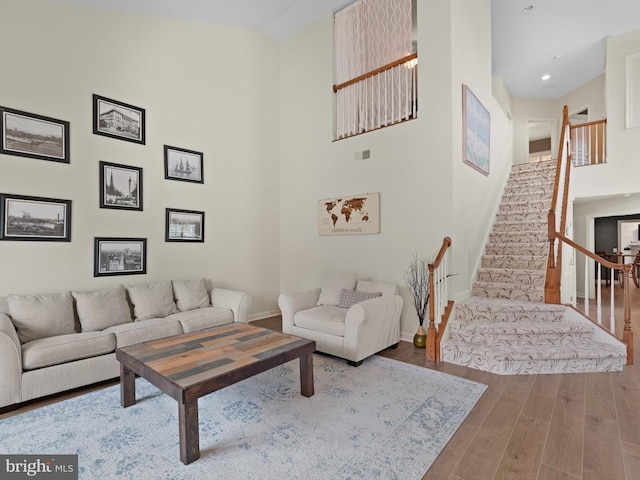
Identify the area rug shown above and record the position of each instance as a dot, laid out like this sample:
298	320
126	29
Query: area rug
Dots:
382	420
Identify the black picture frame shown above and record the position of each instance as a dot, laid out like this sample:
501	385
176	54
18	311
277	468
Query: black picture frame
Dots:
120	120
120	186
26	134
183	165
184	225
119	256
35	218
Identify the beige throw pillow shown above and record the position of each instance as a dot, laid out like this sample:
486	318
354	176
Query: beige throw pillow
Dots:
41	316
333	286
152	301
103	309
191	294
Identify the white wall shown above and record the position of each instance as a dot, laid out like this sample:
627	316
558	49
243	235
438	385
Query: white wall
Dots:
208	88
413	165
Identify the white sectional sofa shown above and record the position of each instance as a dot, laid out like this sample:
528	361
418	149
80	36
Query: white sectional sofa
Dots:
51	343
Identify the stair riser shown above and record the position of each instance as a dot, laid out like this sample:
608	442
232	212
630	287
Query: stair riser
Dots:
532	367
515	237
523	216
540	339
513	293
466	312
519	227
519	206
542	191
538	249
514	262
529	181
513	277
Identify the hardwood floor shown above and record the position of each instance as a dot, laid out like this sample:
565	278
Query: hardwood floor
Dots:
538	427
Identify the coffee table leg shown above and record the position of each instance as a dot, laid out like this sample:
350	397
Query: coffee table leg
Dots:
306	375
189	433
127	386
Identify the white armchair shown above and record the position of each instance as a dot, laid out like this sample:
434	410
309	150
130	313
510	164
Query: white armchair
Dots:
348	319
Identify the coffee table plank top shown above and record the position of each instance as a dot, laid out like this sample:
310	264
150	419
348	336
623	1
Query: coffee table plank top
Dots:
195	364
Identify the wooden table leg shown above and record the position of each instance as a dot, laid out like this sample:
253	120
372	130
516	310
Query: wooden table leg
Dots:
127	386
306	375
189	433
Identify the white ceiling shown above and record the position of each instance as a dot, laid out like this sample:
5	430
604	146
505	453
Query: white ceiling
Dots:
565	39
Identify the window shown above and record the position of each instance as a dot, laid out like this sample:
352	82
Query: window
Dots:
375	65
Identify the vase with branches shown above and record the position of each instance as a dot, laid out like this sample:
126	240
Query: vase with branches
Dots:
417	278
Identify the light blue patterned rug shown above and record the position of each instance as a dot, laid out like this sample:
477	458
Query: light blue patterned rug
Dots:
383	420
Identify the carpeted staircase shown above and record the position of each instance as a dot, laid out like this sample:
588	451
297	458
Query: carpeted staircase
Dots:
505	327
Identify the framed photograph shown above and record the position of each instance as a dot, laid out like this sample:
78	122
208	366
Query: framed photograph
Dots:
30	135
119	256
181	164
35	218
120	186
184	226
475	132
118	120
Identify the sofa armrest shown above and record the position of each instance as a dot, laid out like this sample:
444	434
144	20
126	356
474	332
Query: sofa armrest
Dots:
291	303
371	326
10	362
238	302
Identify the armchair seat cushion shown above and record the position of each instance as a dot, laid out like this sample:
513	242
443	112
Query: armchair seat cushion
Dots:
327	319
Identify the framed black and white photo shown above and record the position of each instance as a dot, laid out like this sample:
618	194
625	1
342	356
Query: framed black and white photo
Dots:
35	218
118	120
119	256
30	135
184	165
184	226
120	186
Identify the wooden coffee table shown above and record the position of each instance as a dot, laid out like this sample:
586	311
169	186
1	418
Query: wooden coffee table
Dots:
191	365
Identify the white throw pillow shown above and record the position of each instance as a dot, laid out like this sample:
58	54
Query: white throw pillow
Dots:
152	301
41	316
333	286
191	294
103	309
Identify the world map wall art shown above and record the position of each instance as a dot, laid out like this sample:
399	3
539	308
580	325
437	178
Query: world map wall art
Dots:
349	215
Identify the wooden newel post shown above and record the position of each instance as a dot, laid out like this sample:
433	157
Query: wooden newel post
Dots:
431	330
627	334
551	286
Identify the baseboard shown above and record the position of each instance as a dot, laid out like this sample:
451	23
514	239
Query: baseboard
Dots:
406	337
261	316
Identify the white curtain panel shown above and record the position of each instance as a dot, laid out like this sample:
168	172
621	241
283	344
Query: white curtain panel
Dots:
368	35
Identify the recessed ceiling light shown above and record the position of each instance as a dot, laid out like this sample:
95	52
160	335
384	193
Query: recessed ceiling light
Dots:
556	57
546	77
528	8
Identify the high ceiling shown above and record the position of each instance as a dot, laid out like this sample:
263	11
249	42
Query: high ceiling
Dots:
565	39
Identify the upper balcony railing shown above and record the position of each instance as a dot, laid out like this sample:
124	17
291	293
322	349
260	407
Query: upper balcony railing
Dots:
589	143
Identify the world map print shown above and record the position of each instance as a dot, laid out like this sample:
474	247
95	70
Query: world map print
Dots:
349	215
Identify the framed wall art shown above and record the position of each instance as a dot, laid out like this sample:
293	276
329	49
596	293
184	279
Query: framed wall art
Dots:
475	132
35	218
349	215
120	186
119	256
35	136
184	225
184	165
118	120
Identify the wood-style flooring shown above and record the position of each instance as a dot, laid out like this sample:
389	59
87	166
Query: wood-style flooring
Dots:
538	427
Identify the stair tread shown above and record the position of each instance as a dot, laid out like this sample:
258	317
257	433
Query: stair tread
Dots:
506	285
522	327
502	305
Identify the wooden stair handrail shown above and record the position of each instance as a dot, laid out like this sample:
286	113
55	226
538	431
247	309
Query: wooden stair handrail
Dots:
588	124
372	73
434	336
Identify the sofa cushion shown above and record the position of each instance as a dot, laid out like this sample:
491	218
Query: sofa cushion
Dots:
49	351
103	309
202	318
144	330
348	298
41	316
332	286
369	286
191	294
152	301
4	307
327	319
